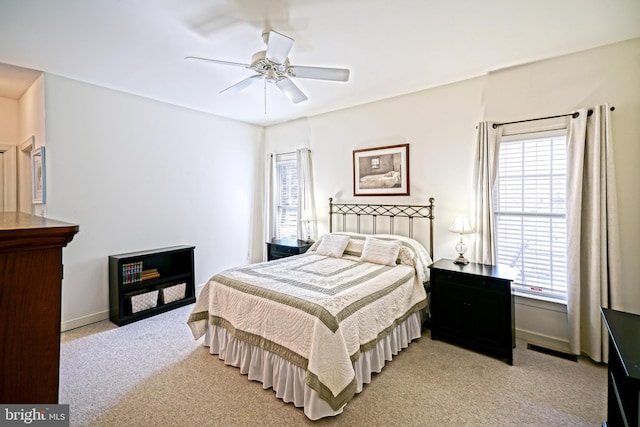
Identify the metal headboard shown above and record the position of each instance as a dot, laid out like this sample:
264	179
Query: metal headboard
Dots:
391	211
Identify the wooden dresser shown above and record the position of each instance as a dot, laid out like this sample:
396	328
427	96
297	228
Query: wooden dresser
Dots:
30	292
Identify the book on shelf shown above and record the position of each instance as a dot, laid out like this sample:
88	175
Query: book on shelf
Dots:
149	274
133	272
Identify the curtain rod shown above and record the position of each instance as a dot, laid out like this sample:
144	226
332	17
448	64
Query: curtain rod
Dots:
573	115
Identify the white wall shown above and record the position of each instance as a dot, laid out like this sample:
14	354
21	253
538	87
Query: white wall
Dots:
610	74
8	121
439	124
32	113
31	124
20	120
8	137
424	120
139	174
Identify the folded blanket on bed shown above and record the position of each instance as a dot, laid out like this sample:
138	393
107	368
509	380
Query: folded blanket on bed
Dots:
317	312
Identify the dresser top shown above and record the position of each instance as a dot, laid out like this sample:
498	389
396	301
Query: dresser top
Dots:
624	329
22	221
474	269
20	231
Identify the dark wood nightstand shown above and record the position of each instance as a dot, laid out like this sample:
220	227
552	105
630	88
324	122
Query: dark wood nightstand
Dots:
624	370
280	248
472	305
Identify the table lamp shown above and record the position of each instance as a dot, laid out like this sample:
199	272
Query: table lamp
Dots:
307	218
461	226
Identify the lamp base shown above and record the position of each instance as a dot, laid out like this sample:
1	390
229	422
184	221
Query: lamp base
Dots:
461	260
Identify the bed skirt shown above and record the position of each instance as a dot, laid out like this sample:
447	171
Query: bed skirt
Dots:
288	380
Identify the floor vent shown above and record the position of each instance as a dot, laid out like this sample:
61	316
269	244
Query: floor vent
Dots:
556	353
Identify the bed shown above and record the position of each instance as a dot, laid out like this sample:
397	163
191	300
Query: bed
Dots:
315	326
385	180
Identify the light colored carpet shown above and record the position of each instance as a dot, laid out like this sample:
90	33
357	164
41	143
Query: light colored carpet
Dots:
153	373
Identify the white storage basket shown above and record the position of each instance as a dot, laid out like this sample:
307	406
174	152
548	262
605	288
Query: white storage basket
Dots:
174	293
144	301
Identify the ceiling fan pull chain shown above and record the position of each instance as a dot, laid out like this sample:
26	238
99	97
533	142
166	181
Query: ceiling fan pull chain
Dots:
265	97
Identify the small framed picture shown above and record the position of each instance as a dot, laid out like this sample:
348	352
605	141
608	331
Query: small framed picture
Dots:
382	171
38	184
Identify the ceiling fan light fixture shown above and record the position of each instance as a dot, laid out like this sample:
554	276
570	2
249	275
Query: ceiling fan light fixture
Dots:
271	74
273	66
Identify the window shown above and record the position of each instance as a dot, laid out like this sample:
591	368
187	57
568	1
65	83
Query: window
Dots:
286	196
530	211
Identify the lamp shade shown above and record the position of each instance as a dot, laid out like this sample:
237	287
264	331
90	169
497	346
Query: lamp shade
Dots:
307	216
461	226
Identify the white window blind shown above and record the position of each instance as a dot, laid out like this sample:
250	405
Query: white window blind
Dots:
530	211
286	196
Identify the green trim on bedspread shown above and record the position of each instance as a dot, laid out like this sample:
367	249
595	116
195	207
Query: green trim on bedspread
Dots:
359	304
263	343
383	334
309	286
336	402
330	321
313	309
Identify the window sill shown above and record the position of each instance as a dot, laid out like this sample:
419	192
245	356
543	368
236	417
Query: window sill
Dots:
545	298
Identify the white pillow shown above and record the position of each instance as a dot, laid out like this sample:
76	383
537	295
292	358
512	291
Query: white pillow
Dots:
378	251
332	245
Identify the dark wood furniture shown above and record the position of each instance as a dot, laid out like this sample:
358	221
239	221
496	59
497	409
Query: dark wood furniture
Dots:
147	274
30	293
624	368
472	305
281	248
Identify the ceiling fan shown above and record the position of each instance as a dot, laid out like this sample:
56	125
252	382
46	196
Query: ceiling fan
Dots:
272	66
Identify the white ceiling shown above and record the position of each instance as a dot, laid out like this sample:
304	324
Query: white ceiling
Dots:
391	47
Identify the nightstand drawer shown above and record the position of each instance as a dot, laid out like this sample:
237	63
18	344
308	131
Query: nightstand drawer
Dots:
281	248
474	281
284	250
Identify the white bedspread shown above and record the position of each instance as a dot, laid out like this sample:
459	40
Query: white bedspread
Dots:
317	312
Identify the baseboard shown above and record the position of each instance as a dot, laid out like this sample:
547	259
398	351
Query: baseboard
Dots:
546	341
84	321
560	354
98	317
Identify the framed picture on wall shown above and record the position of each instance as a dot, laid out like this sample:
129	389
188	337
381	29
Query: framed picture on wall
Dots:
38	185
381	171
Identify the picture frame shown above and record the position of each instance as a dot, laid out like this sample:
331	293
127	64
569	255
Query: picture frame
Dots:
38	176
381	171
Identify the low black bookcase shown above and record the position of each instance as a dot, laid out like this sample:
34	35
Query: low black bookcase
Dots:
146	283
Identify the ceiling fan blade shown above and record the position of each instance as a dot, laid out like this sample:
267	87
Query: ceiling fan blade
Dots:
278	47
217	61
242	84
320	73
291	90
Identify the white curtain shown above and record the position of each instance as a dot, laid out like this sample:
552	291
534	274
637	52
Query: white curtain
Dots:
270	216
592	227
307	227
486	169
